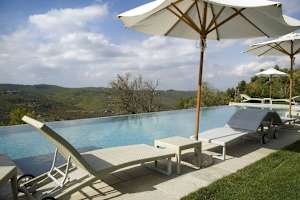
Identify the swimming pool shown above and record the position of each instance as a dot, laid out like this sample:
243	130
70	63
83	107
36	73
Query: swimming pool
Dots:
26	146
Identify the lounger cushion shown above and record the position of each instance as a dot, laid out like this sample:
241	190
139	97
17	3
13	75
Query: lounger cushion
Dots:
111	159
247	119
221	136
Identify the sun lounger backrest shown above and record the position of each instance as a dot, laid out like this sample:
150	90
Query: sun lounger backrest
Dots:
64	148
274	118
245	97
247	119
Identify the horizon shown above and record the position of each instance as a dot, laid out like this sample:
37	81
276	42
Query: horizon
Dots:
78	44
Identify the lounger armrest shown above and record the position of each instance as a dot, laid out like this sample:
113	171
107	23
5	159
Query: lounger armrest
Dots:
33	122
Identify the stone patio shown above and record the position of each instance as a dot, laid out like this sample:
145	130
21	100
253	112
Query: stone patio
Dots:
141	183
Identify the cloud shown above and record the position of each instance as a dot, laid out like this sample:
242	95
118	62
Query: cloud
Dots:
59	47
226	43
249	69
63	47
68	19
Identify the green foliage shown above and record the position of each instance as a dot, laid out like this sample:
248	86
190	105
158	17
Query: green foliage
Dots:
53	103
260	86
16	115
210	97
275	177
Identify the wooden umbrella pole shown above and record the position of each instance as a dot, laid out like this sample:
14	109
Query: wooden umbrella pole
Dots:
291	78
270	80
291	85
199	91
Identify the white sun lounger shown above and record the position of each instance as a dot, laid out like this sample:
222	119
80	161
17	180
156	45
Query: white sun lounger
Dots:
278	122
243	122
247	99
93	165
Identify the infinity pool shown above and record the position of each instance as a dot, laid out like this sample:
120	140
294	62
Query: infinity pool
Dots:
27	147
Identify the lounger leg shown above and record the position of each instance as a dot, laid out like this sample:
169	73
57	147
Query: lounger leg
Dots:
178	161
263	141
224	152
169	170
274	133
13	182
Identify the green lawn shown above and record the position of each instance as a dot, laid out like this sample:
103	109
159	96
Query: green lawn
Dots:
275	177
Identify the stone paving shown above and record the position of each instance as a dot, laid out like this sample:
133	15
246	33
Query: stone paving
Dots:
140	183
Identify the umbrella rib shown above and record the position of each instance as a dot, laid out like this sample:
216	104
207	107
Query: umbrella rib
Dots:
204	19
187	18
226	20
183	19
180	18
248	20
296	52
273	47
215	17
282	49
254	47
199	15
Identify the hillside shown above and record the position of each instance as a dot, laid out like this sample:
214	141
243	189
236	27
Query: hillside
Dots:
50	102
259	87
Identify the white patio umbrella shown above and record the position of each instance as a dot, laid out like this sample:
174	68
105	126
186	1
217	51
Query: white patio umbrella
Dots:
287	45
209	19
269	73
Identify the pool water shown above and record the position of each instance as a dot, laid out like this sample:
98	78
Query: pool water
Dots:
27	146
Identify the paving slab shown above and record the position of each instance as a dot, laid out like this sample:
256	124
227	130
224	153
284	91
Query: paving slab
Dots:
139	183
181	185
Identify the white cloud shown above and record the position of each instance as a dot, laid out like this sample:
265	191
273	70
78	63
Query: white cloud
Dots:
60	47
226	43
68	19
249	69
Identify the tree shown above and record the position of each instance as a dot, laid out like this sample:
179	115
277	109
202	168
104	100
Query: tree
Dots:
210	97
16	115
242	86
132	94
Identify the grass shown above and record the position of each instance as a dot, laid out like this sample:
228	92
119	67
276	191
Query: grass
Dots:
275	177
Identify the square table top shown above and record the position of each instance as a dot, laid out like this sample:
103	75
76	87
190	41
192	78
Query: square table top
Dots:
178	141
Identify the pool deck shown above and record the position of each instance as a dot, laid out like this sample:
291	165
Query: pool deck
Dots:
140	183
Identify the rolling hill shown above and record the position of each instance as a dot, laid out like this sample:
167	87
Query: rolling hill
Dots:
50	102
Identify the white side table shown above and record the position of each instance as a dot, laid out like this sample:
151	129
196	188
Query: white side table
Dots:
178	144
8	171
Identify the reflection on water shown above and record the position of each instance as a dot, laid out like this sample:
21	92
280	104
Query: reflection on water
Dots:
23	143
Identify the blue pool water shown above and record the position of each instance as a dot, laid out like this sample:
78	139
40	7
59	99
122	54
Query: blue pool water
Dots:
23	143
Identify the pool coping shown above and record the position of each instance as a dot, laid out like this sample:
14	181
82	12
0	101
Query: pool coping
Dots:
116	116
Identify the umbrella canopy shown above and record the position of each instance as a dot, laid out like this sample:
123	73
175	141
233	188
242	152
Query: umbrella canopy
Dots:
223	18
209	19
271	73
287	45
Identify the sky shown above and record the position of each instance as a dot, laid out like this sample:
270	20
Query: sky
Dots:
81	43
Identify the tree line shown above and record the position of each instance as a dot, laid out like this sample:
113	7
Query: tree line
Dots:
259	86
129	94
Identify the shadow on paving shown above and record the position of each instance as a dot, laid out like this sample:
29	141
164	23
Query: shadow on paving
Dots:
37	165
137	182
